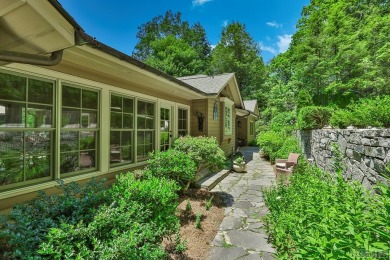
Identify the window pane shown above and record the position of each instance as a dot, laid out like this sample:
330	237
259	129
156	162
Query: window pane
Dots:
116	103
89	119
87	140
40	91
12	114
12	87
71	96
37	167
69	162
70	118
11	144
115	139
69	141
126	153
141	138
87	159
149	123
140	151
38	142
128	105
39	116
116	120
150	109
141	123
141	107
90	99
126	138
11	170
149	137
127	121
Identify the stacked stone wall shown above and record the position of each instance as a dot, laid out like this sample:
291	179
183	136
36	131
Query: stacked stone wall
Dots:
365	152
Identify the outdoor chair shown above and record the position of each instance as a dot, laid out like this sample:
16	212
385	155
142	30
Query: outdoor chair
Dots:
284	167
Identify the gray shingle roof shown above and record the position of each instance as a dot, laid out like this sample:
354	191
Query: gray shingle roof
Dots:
250	105
208	84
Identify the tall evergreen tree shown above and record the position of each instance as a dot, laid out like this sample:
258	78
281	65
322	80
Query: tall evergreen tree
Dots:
173	45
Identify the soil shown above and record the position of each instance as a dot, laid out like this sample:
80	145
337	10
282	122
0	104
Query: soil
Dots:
198	240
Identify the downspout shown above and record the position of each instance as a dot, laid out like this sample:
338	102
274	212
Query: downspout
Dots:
32	59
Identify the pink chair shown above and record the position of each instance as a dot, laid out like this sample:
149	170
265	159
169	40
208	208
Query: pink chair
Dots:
284	167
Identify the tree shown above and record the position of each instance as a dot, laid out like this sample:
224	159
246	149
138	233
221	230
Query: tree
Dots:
237	52
173	45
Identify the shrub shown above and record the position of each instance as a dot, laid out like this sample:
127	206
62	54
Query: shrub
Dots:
284	121
270	142
31	221
320	216
341	118
132	227
313	117
204	151
172	164
290	145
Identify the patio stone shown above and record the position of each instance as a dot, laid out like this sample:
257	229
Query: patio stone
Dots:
241	234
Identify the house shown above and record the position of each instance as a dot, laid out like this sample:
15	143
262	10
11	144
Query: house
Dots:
246	122
73	108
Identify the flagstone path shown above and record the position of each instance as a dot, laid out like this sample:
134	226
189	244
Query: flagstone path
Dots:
241	234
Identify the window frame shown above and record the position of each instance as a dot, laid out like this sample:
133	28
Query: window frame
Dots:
186	120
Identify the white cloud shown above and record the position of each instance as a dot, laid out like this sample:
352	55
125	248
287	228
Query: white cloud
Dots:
225	23
284	42
212	46
200	2
268	48
274	24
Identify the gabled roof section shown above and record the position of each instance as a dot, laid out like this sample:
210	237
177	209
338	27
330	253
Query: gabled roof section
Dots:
251	106
208	84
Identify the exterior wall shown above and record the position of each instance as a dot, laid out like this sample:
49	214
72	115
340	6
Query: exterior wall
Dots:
10	195
365	152
198	106
214	125
251	137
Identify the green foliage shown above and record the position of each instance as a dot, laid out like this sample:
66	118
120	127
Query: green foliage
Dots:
365	112
320	216
304	99
172	164
270	143
283	121
188	206
290	145
131	227
173	45
209	203
180	245
313	117
198	220
204	151
32	220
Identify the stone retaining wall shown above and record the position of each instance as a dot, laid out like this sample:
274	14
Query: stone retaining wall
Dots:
366	152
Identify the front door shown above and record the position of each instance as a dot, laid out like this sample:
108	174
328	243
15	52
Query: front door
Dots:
165	128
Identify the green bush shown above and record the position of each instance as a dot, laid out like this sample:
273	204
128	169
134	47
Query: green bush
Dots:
131	227
320	216
313	117
204	151
31	221
366	112
284	121
172	164
290	145
270	142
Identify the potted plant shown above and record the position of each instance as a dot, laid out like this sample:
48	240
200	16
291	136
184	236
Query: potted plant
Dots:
239	164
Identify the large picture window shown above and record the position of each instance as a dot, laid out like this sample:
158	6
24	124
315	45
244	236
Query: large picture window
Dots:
26	129
79	129
122	130
182	122
145	129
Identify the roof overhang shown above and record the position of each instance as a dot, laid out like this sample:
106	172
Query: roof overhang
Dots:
33	27
233	85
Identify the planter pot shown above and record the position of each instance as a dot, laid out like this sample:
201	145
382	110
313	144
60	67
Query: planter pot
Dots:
238	167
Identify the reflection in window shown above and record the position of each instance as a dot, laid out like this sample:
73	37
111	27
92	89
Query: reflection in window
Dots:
26	129
182	122
145	129
215	110
79	129
121	134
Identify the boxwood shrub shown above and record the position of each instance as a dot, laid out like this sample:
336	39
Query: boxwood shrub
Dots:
313	117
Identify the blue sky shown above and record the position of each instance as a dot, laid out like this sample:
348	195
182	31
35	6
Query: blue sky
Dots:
115	23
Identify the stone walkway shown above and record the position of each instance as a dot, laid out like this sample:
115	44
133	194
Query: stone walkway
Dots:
241	234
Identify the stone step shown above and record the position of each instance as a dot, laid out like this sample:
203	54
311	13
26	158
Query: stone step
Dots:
212	180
